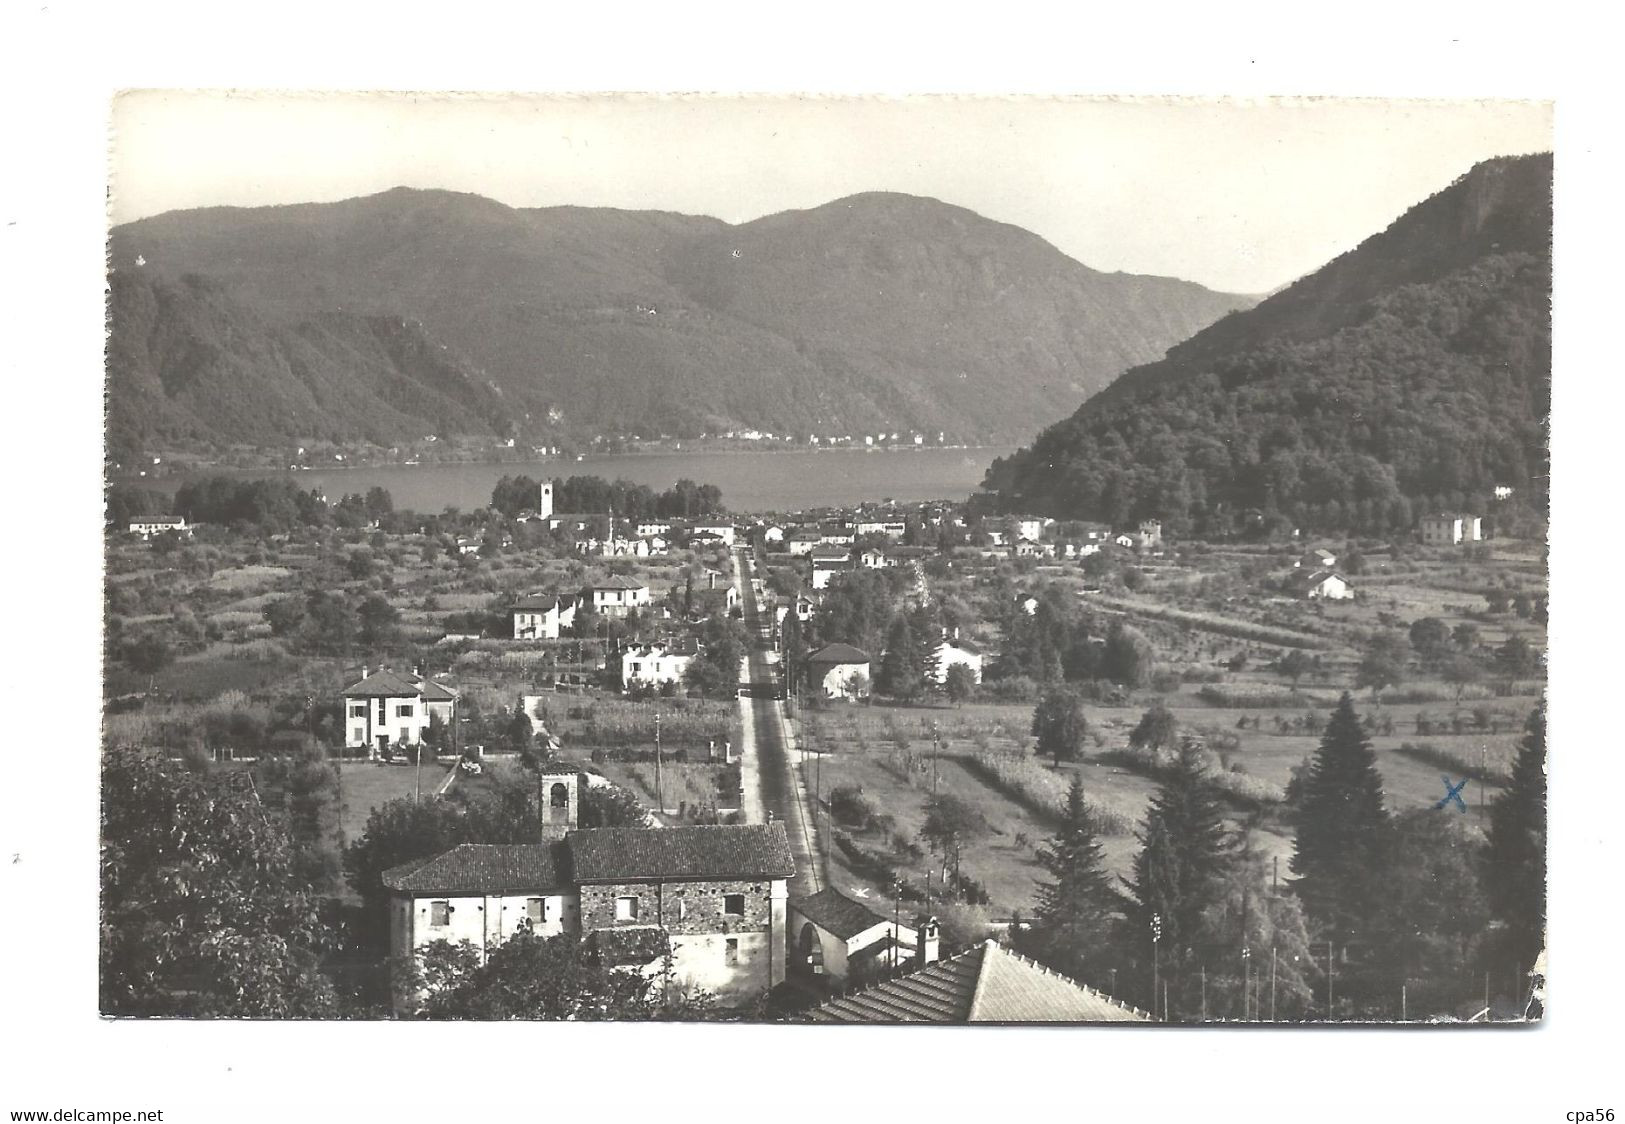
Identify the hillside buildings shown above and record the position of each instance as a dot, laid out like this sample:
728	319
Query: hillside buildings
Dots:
542	616
839	671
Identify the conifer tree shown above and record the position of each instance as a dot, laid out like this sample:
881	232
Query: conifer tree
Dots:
1343	829
900	666
1075	907
1515	857
1185	849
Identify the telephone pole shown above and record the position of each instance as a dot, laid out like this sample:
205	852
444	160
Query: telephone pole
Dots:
660	796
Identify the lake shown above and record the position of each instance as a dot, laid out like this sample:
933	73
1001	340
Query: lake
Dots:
776	481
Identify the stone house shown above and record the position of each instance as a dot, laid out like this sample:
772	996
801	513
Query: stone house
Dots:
713	897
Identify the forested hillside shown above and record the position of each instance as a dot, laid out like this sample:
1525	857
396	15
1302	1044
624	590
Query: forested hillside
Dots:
1411	373
876	313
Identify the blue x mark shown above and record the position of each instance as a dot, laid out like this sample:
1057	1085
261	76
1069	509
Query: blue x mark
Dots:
1452	792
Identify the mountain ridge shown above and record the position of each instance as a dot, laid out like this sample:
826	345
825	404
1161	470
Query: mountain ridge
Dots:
875	311
1410	371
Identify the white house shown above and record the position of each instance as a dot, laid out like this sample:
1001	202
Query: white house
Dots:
712	897
773	533
722	530
615	596
1319	585
872	559
1451	529
386	708
844	943
826	570
839	671
836	536
657	664
1031	528
652	527
952	650
802	543
148	525
542	616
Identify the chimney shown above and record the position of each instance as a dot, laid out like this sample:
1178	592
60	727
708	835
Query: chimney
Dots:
712	579
363	671
927	941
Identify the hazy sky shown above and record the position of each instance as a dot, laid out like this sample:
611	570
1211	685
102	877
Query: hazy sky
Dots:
1241	196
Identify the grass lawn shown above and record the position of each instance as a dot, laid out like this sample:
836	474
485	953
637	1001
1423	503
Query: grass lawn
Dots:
368	785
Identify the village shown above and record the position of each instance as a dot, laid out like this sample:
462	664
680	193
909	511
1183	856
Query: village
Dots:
787	761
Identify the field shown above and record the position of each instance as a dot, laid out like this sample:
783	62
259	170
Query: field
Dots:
366	786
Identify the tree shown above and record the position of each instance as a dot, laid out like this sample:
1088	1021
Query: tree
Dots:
1156	730
1465	636
1342	829
1514	861
1077	903
379	621
1243	913
1294	665
148	654
610	805
1516	658
1060	725
202	912
1382	665
715	671
1459	671
900	665
519	735
1430	636
950	823
303	789
534	977
1184	849
959	683
1128	658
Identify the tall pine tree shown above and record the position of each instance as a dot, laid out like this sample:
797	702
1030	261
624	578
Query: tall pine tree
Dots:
1185	851
900	666
1515	857
1072	923
1343	830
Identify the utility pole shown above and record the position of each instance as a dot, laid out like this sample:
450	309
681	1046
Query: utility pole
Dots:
1204	993
1156	965
896	921
1404	1006
660	795
1331	975
1246	976
1272	983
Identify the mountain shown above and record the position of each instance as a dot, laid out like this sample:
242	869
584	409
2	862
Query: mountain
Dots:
1411	372
878	312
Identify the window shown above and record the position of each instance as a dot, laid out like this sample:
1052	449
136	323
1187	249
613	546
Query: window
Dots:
536	910
733	905
682	908
730	952
439	914
403	711
626	909
358	710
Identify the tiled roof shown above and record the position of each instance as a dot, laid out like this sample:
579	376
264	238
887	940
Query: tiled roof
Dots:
437	692
985	984
615	581
839	653
536	603
383	684
634	854
837	914
629	945
485	868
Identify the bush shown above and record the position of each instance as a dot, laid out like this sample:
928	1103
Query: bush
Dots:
1016	688
849	806
1452	761
1040	790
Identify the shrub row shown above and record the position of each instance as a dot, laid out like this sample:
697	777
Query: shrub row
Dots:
1223	626
1039	790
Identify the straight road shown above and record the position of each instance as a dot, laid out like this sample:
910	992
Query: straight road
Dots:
769	759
